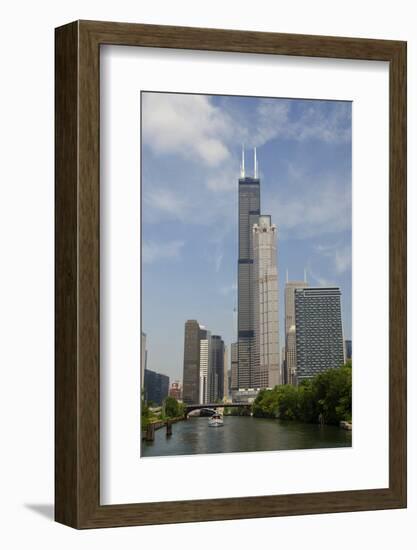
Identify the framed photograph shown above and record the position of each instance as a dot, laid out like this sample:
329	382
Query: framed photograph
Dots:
230	274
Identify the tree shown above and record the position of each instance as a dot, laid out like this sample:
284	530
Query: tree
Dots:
172	407
328	396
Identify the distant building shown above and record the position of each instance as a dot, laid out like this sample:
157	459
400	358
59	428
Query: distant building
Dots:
175	390
291	356
143	358
348	349
283	366
205	360
234	366
290	336
266	342
225	375
204	377
318	331
156	387
216	370
193	334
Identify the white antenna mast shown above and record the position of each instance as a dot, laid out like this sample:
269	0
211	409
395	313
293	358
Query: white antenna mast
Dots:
255	163
242	165
305	275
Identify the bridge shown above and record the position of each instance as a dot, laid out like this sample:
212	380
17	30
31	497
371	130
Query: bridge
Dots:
189	408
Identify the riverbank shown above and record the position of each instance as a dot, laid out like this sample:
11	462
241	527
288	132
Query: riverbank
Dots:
158	424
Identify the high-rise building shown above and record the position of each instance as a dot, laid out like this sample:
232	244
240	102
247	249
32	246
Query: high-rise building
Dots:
175	390
283	367
193	334
291	356
216	370
249	210
265	274
290	335
205	360
318	328
234	385
225	375
156	387
290	287
348	349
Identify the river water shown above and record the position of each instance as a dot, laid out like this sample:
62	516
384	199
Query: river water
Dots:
242	434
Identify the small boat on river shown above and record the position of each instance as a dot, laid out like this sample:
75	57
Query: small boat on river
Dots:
216	421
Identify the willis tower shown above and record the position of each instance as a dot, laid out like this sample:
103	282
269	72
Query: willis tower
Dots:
249	211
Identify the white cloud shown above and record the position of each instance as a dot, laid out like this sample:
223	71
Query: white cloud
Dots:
319	279
317	120
165	200
343	259
339	254
313	208
154	251
188	125
193	129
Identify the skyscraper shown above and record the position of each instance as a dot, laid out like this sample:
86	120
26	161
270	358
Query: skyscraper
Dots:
193	334
234	385
319	334
249	210
216	370
290	336
266	343
226	387
205	360
156	387
291	356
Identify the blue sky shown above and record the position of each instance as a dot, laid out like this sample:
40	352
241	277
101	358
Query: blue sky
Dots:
191	149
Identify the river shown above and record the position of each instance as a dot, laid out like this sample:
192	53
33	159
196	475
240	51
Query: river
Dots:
242	434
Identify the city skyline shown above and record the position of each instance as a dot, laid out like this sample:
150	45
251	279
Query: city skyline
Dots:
189	194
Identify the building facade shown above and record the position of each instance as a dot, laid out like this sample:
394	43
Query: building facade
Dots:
175	390
216	370
266	327
318	330
290	335
193	334
156	387
291	356
205	360
234	384
348	350
248	215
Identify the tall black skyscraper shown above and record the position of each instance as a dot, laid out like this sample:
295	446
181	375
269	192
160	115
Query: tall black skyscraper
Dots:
216	369
193	334
249	211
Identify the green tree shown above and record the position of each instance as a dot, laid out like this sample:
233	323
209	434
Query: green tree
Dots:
173	408
327	396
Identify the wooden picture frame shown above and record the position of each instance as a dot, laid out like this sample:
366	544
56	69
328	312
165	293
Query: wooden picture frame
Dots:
77	358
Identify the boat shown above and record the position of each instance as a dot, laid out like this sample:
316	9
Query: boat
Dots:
216	421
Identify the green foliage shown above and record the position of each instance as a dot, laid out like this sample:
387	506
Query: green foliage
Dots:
237	411
172	408
145	413
328	396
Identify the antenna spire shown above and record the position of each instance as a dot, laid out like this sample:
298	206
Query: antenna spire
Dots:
255	163
305	275
242	164
287	275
